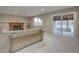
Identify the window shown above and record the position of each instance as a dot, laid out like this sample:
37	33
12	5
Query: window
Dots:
37	22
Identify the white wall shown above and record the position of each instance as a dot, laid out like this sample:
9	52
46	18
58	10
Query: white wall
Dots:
47	19
5	19
46	23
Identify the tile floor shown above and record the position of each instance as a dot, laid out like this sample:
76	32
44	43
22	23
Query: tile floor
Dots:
52	44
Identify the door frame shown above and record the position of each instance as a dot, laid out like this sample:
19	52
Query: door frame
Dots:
65	13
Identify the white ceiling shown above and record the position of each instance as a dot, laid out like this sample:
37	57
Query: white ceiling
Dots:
29	10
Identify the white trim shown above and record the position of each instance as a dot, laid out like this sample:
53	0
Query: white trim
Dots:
75	16
11	21
75	19
64	13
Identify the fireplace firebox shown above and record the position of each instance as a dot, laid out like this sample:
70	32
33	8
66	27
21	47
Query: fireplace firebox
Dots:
16	26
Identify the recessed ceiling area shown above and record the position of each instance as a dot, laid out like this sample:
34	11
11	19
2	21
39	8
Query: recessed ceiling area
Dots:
30	10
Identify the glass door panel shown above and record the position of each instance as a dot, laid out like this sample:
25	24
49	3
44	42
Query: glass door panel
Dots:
71	27
57	27
68	28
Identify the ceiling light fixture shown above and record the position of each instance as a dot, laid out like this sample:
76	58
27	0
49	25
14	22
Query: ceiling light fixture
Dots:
43	10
